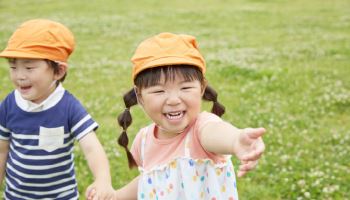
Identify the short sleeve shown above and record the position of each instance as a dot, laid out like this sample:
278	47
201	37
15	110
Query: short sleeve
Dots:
80	120
136	147
205	118
4	132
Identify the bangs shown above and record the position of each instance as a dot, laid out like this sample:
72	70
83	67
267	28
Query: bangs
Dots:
152	76
11	60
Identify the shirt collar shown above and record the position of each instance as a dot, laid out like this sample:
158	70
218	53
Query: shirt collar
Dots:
49	102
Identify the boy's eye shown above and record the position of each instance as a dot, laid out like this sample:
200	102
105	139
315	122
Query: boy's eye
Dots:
186	88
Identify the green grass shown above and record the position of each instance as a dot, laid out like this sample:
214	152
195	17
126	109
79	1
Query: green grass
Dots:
284	65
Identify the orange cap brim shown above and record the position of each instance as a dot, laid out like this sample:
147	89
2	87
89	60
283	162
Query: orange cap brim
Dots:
171	60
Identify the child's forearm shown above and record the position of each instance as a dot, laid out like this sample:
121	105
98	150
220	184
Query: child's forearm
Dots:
129	191
99	165
4	148
219	137
96	157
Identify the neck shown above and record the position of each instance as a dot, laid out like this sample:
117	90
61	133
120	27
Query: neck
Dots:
161	133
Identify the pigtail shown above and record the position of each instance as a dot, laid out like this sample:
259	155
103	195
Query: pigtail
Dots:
125	120
211	95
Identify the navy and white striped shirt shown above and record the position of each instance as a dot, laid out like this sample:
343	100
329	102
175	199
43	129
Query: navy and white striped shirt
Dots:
40	163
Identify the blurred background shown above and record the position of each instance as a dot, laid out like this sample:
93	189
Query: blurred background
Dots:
283	65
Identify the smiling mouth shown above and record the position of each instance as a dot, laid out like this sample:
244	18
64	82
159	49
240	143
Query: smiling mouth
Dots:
174	115
24	88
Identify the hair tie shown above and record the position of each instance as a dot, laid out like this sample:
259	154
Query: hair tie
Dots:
127	109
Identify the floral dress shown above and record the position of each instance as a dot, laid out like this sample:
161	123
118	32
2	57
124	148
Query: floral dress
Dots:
186	178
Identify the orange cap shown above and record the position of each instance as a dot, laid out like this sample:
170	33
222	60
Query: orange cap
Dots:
41	39
167	49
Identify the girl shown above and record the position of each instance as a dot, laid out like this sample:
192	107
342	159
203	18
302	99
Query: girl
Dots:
184	154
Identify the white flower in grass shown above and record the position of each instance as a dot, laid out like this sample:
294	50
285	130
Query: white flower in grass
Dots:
301	183
307	194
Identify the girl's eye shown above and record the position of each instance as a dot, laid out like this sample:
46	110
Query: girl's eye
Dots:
158	91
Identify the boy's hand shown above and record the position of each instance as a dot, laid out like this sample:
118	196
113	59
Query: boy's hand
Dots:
249	148
100	191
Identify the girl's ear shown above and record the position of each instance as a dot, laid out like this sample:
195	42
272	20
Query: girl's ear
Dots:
62	70
204	85
138	95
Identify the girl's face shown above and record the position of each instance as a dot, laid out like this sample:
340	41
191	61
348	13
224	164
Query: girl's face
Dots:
33	78
172	104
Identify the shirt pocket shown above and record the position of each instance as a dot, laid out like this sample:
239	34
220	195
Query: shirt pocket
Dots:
51	139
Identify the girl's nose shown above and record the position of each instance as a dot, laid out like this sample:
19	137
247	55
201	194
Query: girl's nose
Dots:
173	98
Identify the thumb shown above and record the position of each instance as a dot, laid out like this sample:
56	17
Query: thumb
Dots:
254	133
90	192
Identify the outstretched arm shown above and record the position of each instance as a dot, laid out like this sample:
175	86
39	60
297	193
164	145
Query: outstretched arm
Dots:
98	164
223	138
4	149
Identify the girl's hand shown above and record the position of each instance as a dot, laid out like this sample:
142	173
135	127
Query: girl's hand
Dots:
90	193
100	191
249	148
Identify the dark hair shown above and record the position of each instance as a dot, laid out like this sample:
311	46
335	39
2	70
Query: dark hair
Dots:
56	69
54	65
152	76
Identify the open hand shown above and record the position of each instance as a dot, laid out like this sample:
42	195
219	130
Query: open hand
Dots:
249	148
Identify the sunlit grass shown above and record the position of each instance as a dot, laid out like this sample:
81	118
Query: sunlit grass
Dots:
284	65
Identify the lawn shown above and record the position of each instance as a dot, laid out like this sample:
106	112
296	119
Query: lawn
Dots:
283	65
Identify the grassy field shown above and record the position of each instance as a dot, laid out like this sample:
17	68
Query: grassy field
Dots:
284	65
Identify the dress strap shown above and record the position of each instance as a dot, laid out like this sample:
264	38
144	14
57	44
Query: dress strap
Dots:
187	145
143	142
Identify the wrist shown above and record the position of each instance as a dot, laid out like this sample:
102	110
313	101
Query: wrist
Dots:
235	142
103	179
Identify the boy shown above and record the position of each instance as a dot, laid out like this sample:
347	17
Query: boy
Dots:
40	120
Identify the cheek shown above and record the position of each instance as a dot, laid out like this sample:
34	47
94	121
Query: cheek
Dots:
153	106
12	76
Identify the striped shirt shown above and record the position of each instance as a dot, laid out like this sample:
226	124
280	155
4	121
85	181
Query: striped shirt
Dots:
40	162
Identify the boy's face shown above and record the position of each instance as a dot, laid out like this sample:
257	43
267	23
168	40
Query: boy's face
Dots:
33	78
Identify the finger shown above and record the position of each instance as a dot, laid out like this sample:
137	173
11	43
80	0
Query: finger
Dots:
255	155
245	168
105	196
248	166
254	133
260	146
96	197
87	192
241	173
90	192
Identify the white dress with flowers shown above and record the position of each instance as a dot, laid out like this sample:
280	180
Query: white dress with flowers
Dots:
186	178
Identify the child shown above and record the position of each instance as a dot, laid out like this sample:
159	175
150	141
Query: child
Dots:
184	153
40	120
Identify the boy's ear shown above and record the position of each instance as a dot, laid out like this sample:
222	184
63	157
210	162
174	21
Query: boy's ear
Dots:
62	71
